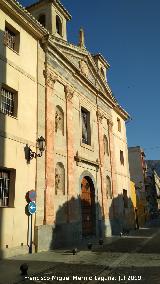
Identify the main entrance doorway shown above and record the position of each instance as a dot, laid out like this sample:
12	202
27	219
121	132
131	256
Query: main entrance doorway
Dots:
88	207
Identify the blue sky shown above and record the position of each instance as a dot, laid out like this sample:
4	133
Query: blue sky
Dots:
127	34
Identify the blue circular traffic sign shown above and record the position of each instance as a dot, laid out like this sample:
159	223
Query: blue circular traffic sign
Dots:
32	207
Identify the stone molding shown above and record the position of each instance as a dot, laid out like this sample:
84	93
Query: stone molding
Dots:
50	77
100	116
69	92
79	159
110	123
17	68
7	135
84	68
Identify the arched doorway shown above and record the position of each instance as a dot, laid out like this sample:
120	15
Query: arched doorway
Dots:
88	208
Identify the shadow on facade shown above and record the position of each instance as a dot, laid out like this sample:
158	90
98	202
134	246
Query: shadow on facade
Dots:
2	128
74	225
122	215
77	224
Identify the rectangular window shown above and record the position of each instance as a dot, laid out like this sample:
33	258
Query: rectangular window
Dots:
86	133
7	187
121	157
8	101
119	124
11	37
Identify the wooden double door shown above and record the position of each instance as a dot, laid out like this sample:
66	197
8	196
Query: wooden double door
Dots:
88	206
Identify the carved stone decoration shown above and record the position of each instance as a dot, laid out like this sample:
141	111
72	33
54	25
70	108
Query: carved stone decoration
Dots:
59	120
100	116
110	123
59	179
50	78
106	146
69	92
84	68
108	187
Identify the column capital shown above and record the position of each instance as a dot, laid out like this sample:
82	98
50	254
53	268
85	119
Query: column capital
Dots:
100	116
110	123
69	92
50	77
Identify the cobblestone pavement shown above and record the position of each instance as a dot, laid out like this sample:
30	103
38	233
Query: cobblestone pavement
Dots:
129	259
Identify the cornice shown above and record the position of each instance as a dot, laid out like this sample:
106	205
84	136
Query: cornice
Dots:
21	15
102	59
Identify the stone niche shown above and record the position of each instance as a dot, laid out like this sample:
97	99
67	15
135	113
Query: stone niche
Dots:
59	179
59	120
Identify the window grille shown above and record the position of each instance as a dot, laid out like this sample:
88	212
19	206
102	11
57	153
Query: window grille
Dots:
9	38
4	188
7	102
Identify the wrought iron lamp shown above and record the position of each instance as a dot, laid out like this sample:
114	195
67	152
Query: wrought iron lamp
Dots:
29	154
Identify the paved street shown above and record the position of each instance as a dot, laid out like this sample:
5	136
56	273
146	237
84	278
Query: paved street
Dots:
128	259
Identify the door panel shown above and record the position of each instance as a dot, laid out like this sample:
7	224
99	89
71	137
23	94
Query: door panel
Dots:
87	206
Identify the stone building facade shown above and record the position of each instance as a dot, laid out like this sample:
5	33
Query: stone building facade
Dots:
83	176
86	146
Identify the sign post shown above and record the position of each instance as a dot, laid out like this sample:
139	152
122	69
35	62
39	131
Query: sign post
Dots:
31	210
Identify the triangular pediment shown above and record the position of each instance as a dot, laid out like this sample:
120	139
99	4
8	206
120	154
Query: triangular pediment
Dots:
85	65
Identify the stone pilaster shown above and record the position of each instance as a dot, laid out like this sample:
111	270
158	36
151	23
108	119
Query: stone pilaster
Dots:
70	152
50	138
100	117
112	157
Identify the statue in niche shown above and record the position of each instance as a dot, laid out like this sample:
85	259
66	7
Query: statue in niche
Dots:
59	120
57	180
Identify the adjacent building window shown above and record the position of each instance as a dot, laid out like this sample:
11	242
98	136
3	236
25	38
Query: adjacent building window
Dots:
86	133
125	198
106	146
42	20
119	124
121	157
8	101
7	187
58	25
11	37
4	188
108	187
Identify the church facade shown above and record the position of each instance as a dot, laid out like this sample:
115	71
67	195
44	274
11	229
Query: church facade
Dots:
82	181
87	171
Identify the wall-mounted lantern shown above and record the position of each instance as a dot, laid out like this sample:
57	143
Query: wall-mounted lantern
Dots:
29	154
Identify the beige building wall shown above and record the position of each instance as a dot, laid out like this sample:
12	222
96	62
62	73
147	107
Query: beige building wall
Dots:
135	166
18	71
120	144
